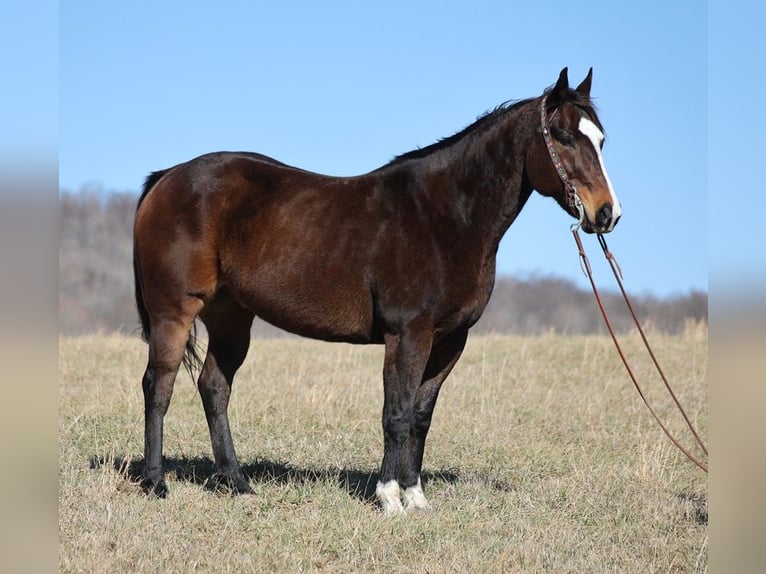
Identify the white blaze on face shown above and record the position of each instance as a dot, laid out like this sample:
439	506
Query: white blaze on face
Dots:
591	131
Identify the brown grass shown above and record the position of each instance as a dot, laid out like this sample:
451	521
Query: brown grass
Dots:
541	458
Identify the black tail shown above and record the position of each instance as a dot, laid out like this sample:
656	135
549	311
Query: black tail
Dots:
192	360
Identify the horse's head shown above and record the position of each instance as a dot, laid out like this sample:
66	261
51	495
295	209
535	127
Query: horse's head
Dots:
566	163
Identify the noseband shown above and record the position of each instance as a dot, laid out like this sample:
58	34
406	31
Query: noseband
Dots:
573	200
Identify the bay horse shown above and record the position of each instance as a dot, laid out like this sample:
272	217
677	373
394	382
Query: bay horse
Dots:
402	256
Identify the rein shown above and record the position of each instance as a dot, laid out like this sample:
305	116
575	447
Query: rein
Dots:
573	201
618	273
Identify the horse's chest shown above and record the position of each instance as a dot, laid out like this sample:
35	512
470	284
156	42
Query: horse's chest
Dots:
479	301
468	307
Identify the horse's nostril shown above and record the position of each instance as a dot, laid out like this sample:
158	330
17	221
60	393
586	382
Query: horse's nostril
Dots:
604	216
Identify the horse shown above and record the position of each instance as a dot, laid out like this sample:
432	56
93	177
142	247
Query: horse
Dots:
402	256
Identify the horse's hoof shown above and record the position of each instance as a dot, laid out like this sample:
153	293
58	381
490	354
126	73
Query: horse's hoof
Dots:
154	489
388	497
413	497
233	485
241	486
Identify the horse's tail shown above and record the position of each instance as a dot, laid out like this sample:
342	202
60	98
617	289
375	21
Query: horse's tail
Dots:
192	361
143	315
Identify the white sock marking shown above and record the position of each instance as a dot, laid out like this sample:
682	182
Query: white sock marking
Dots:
591	131
414	497
388	496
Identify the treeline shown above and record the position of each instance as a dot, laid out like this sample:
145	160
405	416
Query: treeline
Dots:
96	284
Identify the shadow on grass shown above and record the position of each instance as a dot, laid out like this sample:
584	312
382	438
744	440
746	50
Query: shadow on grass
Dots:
358	483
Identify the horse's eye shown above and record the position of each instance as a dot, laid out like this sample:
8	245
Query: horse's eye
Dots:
566	138
563	136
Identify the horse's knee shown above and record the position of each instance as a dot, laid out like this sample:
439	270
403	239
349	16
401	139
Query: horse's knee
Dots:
396	429
421	421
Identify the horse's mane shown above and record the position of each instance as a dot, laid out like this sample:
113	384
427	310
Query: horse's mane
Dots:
482	123
488	119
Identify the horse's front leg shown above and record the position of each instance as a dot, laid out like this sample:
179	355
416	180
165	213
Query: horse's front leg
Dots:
405	361
444	356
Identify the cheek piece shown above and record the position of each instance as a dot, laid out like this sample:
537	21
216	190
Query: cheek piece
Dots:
573	200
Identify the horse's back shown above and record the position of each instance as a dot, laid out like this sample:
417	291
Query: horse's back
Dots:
286	243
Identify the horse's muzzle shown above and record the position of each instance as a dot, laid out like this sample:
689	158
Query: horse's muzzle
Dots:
605	221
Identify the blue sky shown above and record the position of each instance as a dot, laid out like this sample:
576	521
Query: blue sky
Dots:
29	74
342	87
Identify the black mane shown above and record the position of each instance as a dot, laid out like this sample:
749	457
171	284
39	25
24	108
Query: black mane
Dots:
482	123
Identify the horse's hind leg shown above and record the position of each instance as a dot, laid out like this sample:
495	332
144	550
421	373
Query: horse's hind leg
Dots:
167	344
228	326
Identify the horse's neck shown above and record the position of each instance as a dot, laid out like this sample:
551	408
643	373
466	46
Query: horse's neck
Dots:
486	184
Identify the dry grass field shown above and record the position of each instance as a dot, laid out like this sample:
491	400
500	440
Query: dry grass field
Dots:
541	458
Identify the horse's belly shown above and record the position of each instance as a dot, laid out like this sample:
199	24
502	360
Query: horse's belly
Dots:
312	305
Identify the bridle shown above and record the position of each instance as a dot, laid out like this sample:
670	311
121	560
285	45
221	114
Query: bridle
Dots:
577	209
573	200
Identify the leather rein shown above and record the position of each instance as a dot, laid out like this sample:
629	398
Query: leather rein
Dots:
576	207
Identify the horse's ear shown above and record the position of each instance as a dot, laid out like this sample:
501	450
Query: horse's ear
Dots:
584	88
559	91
